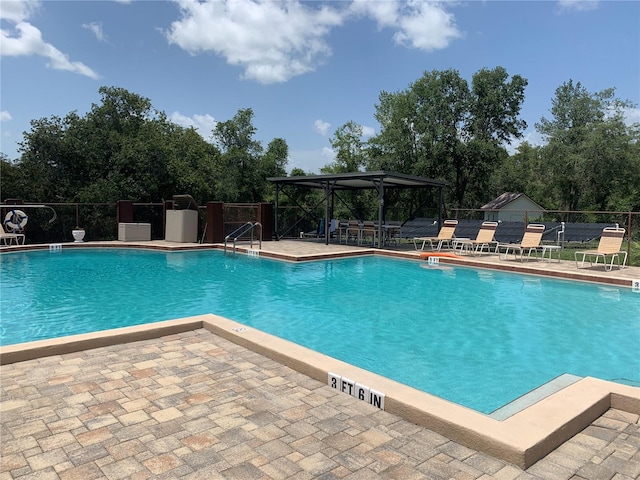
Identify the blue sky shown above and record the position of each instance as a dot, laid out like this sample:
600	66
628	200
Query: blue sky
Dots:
305	68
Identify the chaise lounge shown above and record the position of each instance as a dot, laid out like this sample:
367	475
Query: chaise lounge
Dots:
482	240
530	242
445	235
11	237
608	248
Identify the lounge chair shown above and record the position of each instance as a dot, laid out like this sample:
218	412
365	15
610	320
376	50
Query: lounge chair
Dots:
11	237
445	235
530	242
609	247
482	240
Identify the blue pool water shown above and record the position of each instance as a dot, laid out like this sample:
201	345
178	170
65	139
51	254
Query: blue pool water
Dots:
475	337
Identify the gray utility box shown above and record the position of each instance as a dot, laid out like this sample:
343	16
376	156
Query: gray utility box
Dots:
182	221
182	226
134	232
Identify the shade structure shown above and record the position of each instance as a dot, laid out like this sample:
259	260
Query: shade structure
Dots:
379	180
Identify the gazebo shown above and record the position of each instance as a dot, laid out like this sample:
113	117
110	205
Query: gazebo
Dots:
380	181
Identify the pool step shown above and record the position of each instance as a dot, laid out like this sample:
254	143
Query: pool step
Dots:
534	396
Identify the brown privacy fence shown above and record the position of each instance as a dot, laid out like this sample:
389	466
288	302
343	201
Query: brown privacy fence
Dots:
53	222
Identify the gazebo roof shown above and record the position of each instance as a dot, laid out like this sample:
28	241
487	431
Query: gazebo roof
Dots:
359	180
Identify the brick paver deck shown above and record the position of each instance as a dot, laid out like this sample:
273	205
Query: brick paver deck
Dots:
196	406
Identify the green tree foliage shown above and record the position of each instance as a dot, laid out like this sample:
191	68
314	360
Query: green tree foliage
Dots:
240	156
591	157
441	128
349	148
124	149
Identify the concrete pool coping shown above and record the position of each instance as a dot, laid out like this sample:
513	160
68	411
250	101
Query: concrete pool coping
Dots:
521	439
305	251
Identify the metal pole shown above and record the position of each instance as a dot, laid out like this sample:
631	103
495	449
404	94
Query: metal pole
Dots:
327	192
276	213
380	212
440	207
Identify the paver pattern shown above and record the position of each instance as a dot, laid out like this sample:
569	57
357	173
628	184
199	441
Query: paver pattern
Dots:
196	406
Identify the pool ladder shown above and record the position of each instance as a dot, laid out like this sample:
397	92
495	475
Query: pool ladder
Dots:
244	229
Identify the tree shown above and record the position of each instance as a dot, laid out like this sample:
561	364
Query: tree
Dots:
591	155
273	164
441	128
244	165
349	149
240	154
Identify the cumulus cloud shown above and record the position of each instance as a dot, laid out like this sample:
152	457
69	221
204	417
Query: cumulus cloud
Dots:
321	127
273	41
26	39
631	116
5	116
532	137
577	5
18	10
419	24
368	131
203	124
328	154
96	28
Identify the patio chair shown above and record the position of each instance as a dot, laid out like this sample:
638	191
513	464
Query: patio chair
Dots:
530	242
609	247
368	230
353	231
482	240
445	235
4	236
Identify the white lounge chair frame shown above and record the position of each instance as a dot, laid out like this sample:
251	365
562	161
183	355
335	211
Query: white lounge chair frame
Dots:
445	235
530	242
609	247
4	236
483	239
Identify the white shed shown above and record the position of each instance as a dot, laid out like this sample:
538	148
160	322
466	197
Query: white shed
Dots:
512	207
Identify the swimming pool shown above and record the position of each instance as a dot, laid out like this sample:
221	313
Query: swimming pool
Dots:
475	337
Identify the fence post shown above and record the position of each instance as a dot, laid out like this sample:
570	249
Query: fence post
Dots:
215	222
266	220
124	211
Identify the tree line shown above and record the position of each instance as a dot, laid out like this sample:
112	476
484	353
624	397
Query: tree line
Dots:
440	126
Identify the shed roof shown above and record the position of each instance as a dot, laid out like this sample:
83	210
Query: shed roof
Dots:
359	180
505	199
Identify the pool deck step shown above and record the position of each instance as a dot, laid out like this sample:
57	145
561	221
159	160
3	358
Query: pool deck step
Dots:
534	396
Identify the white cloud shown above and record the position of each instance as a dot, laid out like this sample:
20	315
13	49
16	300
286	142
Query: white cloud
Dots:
203	124
368	131
27	39
426	27
578	5
18	11
321	127
329	154
272	41
96	28
5	116
631	115
420	24
532	137
311	161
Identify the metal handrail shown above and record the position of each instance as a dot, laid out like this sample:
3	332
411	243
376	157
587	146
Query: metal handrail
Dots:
243	230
